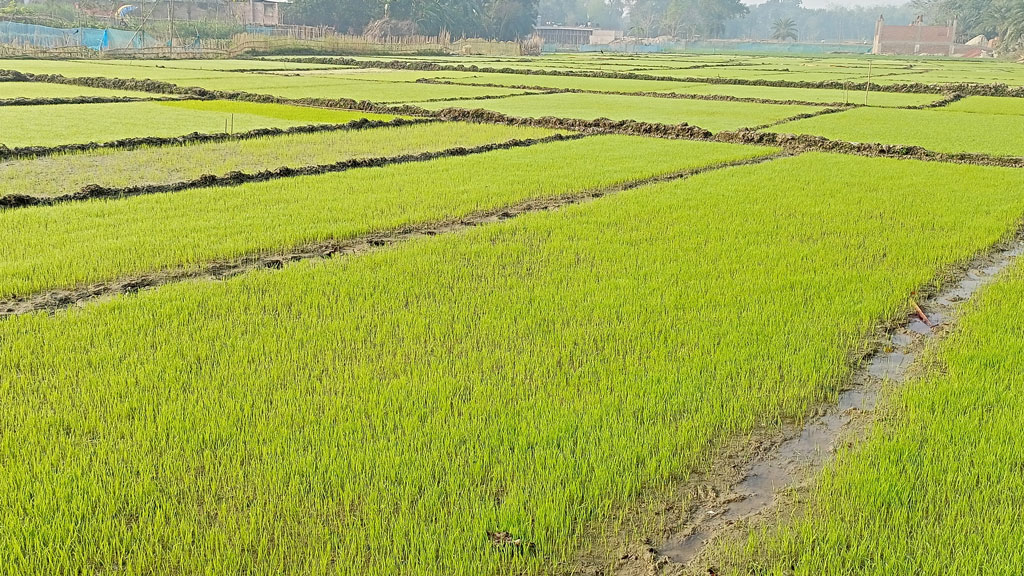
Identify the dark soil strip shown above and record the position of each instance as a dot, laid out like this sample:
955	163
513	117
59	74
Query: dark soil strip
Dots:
796	460
78	100
129	84
969	89
945	101
807	143
55	300
195	138
93	192
794	119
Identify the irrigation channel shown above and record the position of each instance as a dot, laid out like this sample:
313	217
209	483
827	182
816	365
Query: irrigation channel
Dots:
739	494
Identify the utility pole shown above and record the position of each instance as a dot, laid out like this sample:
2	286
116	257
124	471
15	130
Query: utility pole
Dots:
867	88
170	26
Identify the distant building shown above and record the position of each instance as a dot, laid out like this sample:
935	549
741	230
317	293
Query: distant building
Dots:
916	39
576	35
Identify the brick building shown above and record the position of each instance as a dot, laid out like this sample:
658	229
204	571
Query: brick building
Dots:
915	39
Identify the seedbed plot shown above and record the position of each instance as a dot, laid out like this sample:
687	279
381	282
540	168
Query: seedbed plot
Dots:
302	114
883	99
770	73
65	174
62	246
937	487
81	123
228	65
989	105
41	90
109	69
711	115
948	77
350	88
384	414
938	130
383	75
567	82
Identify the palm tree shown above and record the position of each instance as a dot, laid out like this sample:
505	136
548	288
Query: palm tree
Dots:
1007	18
784	29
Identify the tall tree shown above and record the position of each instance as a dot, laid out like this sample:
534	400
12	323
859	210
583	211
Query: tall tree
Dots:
684	18
784	29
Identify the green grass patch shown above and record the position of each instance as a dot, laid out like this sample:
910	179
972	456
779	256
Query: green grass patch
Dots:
381	414
72	244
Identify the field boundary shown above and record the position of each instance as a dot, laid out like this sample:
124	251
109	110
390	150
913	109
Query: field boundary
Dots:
236	178
54	300
797	143
80	100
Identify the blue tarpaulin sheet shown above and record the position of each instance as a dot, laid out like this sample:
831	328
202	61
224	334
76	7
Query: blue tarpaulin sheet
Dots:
47	37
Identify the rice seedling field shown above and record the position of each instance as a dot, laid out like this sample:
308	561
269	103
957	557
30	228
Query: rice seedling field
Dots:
941	130
33	90
63	174
511	316
886	99
711	115
62	124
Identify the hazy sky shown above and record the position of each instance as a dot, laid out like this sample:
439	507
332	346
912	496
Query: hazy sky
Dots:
850	3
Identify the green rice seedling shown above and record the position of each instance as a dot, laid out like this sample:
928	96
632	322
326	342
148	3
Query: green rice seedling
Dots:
322	86
469	404
989	105
714	116
939	130
883	99
939	485
81	123
569	82
62	174
71	244
299	114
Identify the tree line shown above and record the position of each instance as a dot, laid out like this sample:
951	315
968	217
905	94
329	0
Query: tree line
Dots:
691	19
